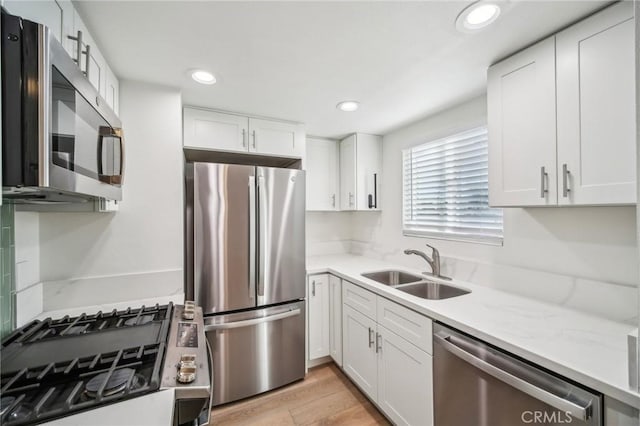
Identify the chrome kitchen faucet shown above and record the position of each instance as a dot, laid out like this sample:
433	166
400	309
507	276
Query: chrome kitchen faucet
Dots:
433	262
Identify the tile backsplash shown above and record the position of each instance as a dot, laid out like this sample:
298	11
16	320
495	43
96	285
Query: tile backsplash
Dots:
7	269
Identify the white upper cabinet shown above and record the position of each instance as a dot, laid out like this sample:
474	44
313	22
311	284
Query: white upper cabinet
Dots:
276	138
112	95
214	130
562	117
522	128
596	105
322	174
206	129
348	173
360	172
47	12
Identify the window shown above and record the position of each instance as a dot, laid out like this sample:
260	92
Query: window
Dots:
446	190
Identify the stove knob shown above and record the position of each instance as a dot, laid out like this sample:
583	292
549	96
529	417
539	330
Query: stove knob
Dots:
187	359
187	373
189	311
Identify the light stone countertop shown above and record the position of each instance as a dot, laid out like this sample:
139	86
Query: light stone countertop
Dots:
585	348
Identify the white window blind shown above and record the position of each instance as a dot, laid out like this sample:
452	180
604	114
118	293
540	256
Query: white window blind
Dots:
446	189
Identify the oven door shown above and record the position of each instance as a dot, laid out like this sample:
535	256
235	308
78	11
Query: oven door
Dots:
86	144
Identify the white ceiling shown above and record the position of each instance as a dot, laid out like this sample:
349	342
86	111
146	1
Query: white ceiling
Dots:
297	60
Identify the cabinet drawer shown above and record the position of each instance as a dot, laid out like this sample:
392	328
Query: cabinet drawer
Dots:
406	323
359	299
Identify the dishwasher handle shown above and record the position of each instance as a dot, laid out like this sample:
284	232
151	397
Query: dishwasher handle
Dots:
577	411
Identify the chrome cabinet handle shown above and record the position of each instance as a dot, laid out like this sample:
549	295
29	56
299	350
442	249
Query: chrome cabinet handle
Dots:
313	288
244	140
565	181
543	182
370	337
333	200
378	342
577	411
350	199
78	40
87	59
254	139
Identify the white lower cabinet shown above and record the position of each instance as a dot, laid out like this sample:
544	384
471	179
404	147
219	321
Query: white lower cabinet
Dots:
405	388
386	365
318	316
359	358
335	319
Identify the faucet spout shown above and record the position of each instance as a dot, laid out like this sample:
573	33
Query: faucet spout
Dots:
434	261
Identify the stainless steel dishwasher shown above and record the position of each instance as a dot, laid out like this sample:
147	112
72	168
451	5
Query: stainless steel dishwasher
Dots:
476	384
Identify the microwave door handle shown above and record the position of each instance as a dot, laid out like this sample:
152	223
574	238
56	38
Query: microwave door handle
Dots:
577	411
118	134
115	179
100	151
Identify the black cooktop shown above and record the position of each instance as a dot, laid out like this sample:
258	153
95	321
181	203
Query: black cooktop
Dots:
54	368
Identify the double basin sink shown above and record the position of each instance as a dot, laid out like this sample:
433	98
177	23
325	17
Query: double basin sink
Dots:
415	285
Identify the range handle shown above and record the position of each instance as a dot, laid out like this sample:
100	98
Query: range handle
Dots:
580	412
253	321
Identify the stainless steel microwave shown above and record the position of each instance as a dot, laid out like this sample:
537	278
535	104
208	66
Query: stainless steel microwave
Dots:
61	142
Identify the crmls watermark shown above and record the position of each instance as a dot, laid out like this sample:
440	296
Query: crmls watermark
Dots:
542	417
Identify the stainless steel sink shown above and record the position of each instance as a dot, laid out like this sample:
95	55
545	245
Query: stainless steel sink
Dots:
433	291
392	277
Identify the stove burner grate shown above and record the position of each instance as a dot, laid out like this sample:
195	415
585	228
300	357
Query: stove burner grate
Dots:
119	381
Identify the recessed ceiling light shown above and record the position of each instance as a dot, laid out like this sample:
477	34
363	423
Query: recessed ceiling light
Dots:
477	16
202	76
348	106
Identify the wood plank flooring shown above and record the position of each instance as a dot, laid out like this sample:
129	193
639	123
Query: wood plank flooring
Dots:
324	397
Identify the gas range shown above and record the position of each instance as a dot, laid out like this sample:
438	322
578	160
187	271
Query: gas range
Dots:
56	368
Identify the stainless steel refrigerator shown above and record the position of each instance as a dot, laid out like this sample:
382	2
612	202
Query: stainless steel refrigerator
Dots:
245	254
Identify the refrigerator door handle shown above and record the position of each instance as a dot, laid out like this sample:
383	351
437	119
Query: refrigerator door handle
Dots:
253	321
263	251
252	237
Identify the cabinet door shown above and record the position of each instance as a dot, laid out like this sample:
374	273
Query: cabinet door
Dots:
359	358
335	319
112	95
348	173
318	316
522	128
214	130
94	66
596	109
368	168
322	174
405	380
276	138
46	12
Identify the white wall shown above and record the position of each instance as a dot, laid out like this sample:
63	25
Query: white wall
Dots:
328	233
146	234
562	255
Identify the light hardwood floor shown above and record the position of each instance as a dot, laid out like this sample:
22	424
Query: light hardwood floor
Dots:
324	397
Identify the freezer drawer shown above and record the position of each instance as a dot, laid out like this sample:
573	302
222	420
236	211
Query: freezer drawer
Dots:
476	384
256	351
